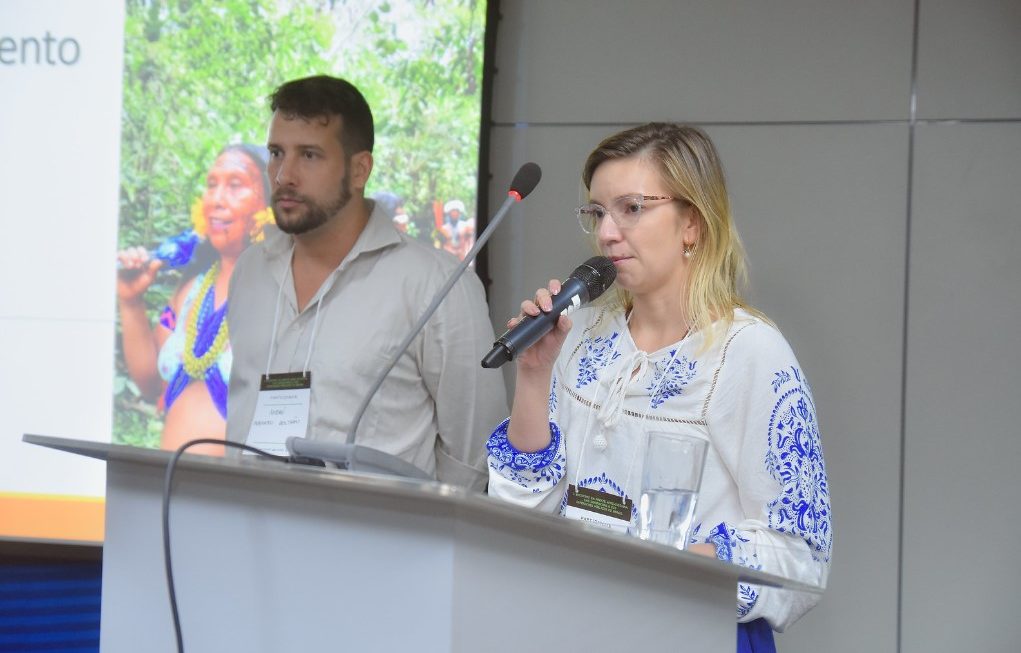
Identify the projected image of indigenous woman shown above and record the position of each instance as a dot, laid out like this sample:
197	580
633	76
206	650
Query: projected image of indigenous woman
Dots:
419	65
182	362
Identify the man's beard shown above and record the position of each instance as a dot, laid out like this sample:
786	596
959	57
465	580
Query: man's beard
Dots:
315	215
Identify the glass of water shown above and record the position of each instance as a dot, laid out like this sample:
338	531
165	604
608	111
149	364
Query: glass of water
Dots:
671	477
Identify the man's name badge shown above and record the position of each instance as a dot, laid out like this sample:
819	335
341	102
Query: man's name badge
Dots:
280	411
601	508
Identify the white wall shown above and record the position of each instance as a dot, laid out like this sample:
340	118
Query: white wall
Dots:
61	106
877	192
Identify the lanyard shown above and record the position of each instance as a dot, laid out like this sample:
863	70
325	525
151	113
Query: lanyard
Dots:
276	317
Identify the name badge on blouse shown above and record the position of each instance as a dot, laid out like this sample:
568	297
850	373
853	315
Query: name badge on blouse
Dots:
600	508
280	411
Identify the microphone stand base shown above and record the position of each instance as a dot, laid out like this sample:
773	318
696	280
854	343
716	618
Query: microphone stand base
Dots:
353	458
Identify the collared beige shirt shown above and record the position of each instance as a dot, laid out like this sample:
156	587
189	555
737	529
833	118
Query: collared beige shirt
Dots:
436	406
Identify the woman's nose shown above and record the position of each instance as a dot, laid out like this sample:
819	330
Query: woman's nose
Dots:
608	231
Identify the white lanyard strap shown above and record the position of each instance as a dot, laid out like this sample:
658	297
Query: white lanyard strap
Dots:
312	340
276	313
276	319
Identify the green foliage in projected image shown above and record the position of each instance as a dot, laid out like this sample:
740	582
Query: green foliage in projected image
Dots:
196	77
424	88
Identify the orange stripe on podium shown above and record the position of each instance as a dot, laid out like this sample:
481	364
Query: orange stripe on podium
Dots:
51	517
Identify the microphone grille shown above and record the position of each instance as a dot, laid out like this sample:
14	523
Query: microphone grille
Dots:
526	180
597	274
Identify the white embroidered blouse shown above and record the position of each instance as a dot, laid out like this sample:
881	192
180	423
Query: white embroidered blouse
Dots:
764	500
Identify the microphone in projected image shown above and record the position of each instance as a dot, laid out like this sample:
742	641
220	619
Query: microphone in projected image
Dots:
354	457
588	281
175	251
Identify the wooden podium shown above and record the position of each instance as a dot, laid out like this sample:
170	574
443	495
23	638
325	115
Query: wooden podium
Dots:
275	557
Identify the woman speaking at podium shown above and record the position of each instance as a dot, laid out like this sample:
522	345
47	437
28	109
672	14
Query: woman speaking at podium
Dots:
676	350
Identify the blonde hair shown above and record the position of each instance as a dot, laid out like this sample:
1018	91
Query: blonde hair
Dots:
690	167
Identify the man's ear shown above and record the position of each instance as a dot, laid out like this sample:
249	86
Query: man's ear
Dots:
361	168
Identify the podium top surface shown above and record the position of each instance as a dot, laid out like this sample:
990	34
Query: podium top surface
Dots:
422	496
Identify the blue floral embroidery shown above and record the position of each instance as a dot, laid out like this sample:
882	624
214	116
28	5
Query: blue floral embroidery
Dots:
553	398
600	352
747	597
730	546
510	474
696	537
730	543
601	483
779	379
795	461
720	538
681	372
526	468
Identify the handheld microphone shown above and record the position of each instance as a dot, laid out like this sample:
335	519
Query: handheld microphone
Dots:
348	455
586	283
175	251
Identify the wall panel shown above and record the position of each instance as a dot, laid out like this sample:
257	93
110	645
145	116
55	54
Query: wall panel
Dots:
733	60
962	518
969	59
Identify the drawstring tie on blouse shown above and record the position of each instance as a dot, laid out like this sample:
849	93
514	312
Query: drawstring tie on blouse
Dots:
631	367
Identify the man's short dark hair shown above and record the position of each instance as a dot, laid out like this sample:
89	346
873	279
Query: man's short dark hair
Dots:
323	96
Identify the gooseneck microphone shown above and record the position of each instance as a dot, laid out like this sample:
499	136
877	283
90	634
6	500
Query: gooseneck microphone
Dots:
348	455
524	182
586	283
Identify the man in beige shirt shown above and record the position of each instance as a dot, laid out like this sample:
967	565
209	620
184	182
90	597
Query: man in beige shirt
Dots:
334	289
